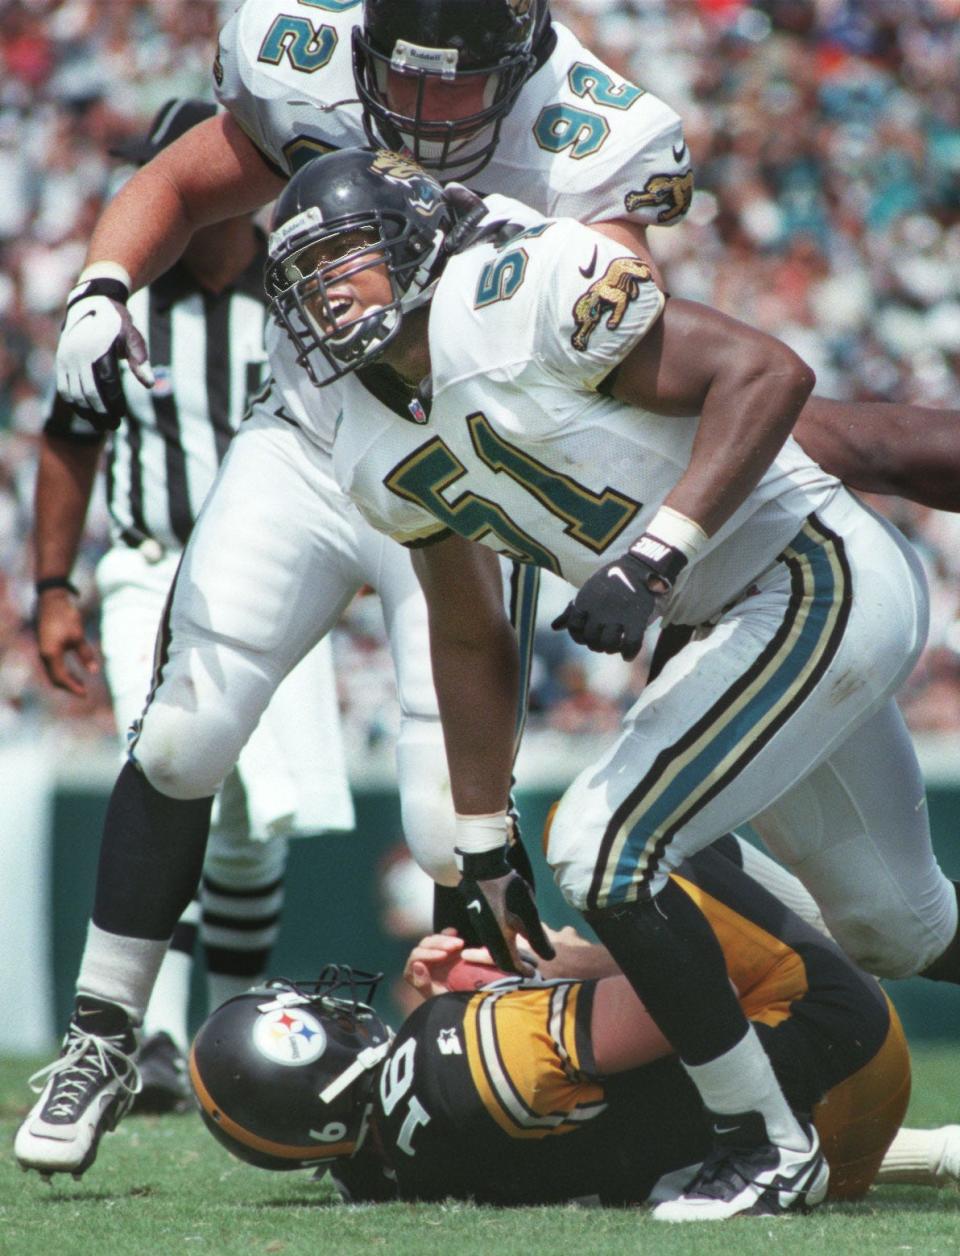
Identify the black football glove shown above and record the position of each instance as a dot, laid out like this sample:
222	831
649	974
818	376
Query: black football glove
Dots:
450	909
97	332
498	899
613	607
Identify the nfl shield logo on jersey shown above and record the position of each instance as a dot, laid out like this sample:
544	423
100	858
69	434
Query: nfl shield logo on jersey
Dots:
417	412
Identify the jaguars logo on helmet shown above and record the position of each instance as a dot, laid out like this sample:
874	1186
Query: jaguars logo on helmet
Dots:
284	1074
425	192
395	165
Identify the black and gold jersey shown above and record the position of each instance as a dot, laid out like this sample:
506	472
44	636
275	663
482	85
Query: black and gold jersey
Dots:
494	1095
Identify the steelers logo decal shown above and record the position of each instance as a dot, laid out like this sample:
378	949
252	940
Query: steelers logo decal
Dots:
289	1036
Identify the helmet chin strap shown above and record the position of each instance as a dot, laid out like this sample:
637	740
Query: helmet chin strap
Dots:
366	1059
421	298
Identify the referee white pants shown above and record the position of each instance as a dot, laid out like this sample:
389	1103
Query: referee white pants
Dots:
276	555
782	713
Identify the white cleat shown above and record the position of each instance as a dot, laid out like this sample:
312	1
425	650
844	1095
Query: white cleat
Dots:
759	1181
83	1093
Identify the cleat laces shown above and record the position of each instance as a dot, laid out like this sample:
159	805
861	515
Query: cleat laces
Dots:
87	1060
726	1171
720	1175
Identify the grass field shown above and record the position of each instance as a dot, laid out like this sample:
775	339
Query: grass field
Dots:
161	1185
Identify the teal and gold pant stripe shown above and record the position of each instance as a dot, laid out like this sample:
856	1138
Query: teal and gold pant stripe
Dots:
689	773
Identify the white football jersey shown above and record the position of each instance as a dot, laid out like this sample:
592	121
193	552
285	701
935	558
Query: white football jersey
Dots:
517	449
580	141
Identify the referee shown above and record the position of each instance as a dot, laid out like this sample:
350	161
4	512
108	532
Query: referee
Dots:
204	322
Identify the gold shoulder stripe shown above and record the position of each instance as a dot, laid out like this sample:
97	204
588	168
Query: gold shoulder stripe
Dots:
521	1050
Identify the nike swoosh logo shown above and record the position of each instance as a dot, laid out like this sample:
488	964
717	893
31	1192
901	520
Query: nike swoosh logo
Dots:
679	153
621	575
725	1129
588	271
88	314
475	905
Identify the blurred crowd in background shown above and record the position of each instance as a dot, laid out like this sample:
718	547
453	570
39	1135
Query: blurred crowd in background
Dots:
826	144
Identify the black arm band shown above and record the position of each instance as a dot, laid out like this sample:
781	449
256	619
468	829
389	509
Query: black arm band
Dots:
483	865
56	582
664	560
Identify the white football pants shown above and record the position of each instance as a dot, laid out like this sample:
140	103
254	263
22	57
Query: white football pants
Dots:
276	555
782	713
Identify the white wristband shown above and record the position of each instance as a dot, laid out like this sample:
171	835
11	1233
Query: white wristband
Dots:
106	270
676	530
477	834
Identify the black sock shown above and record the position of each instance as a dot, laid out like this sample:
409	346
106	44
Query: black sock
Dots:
946	967
238	915
150	858
670	955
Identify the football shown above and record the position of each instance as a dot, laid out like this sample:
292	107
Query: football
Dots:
468	975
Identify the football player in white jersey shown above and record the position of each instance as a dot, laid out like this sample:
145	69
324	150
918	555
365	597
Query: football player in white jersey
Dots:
495	94
291	778
279	550
567	415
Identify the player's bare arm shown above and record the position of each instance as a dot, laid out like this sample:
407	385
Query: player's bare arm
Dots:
876	446
475	660
623	1033
65	479
210	174
747	387
576	956
886	447
440	962
475	669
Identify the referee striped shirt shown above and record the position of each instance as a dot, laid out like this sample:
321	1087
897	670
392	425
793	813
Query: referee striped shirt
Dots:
208	356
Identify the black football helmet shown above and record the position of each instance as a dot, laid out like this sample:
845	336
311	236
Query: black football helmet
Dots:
416	60
284	1073
342	213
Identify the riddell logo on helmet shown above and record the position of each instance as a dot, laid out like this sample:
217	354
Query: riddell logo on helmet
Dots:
310	218
408	56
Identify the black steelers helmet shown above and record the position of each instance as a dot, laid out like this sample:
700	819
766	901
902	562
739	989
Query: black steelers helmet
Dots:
415	61
284	1073
369	208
